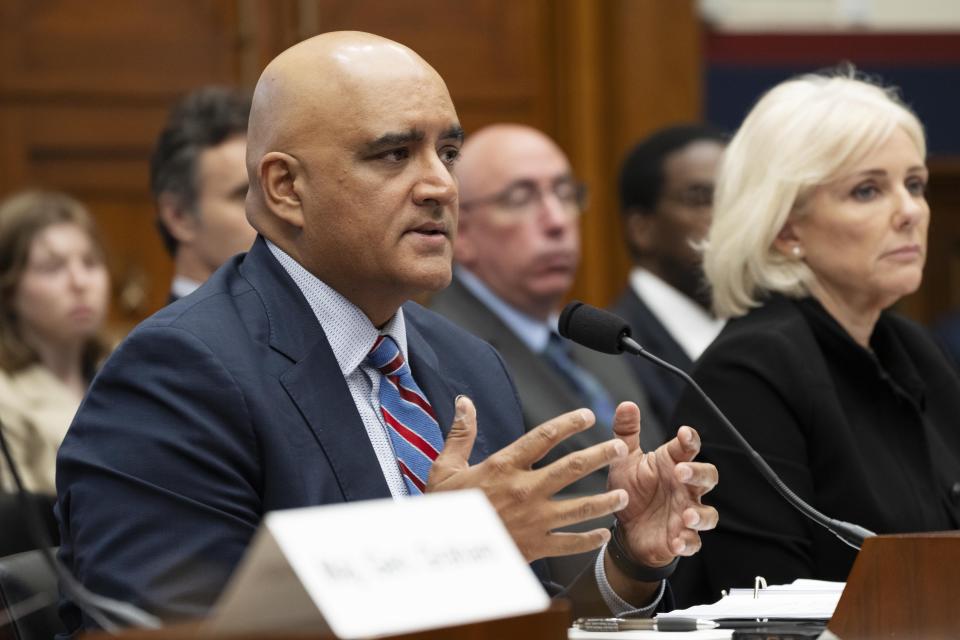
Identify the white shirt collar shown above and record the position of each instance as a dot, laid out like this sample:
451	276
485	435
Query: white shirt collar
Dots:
685	320
183	286
349	331
532	332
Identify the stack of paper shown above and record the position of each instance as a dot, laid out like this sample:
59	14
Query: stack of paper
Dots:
803	599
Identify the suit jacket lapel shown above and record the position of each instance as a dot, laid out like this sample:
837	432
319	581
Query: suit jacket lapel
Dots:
545	394
317	387
440	386
314	382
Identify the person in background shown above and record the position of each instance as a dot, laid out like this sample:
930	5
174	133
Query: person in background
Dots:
666	199
516	253
198	177
54	295
819	226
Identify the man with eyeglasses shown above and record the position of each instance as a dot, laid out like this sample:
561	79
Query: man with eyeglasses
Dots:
517	252
666	199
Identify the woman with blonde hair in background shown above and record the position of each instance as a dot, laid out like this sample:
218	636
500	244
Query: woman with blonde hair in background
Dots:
54	291
819	227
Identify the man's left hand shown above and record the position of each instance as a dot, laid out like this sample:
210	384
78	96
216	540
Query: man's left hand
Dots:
664	516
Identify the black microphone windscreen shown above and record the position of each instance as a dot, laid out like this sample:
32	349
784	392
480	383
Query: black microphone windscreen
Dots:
592	327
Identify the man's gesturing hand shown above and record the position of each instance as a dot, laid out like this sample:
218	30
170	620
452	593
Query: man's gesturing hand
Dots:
523	496
665	515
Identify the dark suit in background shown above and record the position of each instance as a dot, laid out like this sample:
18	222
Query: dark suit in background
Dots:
663	387
544	394
666	196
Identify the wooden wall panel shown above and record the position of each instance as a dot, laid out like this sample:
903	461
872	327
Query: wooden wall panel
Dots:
86	84
625	68
115	47
489	52
940	292
84	89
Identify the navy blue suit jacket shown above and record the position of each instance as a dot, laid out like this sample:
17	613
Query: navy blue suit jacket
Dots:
226	405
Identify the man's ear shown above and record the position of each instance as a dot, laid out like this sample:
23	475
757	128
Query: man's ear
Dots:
281	180
642	230
176	219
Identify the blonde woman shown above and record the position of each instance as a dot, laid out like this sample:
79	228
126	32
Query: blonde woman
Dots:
54	292
819	227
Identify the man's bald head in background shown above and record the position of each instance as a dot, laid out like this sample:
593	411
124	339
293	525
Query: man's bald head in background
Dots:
519	222
351	142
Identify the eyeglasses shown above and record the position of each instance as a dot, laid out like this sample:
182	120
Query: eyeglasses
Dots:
524	196
698	196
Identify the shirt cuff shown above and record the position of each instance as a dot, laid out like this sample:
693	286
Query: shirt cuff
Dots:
618	606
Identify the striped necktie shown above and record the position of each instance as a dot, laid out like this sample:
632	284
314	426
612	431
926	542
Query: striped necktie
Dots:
588	388
410	419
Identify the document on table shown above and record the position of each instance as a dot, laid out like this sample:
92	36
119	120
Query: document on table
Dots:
803	599
704	634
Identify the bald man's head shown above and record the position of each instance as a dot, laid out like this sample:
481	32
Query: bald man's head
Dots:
520	205
316	77
350	146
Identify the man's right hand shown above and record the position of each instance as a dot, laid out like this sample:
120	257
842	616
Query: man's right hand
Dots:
523	496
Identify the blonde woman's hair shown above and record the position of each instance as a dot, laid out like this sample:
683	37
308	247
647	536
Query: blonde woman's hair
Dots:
802	133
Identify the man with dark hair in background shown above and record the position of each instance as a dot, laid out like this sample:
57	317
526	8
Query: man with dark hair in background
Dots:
198	177
666	198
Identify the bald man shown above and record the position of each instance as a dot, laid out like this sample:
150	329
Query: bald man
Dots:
517	250
302	376
516	253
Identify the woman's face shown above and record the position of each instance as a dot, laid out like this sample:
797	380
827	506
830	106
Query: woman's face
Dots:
63	292
864	234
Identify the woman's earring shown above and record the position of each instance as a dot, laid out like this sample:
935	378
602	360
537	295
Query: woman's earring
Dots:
796	251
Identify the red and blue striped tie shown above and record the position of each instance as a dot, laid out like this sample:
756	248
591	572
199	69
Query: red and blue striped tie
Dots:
410	419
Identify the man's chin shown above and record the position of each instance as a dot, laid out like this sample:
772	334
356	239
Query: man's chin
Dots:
554	286
429	282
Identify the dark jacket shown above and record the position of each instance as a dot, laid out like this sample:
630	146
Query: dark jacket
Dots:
867	436
662	387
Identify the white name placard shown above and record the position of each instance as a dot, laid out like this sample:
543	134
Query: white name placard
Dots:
380	567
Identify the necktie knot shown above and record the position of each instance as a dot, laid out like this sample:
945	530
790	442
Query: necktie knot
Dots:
385	357
557	346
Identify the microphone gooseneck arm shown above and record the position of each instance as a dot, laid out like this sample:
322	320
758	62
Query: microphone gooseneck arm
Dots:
852	534
608	333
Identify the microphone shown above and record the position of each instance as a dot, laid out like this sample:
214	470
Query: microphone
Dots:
110	614
609	333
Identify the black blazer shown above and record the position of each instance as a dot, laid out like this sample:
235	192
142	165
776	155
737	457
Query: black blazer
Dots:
663	388
869	437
